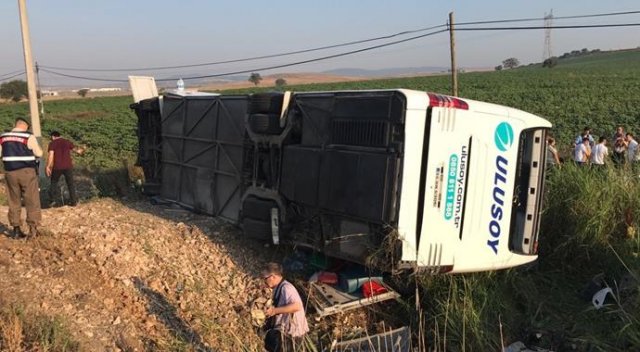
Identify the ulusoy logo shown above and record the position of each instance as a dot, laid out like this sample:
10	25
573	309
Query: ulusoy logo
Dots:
503	137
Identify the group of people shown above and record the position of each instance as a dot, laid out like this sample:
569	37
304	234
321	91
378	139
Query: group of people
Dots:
587	152
21	154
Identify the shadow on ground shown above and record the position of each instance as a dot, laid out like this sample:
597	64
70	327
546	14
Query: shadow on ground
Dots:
158	305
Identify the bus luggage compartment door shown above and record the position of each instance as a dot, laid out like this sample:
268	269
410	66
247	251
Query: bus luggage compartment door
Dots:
202	144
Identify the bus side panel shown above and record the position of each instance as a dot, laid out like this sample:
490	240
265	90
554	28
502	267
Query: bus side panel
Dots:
415	123
449	148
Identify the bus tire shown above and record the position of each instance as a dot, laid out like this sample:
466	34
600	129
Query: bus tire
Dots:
266	103
258	208
265	124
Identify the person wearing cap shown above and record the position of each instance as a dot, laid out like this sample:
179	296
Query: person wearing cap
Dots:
59	163
287	323
19	150
586	133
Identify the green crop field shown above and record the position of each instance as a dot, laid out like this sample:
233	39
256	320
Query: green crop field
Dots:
589	225
105	125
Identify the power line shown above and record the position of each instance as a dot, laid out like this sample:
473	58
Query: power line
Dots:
555	18
11	73
82	77
251	58
319	58
51	86
263	68
10	77
350	52
334	45
551	27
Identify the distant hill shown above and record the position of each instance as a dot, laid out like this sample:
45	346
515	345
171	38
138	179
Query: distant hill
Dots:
574	59
393	71
596	59
330	75
269	80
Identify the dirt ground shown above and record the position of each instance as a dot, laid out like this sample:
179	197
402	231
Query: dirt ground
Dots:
126	275
130	276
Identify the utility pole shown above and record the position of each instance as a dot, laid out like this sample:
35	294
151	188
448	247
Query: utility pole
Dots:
454	70
548	23
28	67
40	98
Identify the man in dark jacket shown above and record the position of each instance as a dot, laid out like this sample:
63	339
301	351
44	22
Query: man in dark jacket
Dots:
20	149
59	163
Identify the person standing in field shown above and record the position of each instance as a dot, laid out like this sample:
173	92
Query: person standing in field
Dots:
582	152
619	146
59	163
19	149
553	160
586	133
287	323
633	157
600	153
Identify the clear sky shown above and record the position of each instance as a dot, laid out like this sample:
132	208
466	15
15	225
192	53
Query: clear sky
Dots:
140	33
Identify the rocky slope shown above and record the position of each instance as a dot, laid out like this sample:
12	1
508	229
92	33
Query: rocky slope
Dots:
130	276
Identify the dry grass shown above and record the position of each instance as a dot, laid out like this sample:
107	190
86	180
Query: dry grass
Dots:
11	336
385	257
24	331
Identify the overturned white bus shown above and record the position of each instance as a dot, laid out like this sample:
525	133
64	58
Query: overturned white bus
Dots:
421	180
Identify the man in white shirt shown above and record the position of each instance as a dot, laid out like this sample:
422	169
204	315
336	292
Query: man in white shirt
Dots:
582	152
600	152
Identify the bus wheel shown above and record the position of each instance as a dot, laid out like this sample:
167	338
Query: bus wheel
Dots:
265	124
266	103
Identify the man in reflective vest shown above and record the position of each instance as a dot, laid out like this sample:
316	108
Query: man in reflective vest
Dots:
19	152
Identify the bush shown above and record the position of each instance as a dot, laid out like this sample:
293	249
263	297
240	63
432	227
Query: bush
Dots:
14	90
255	78
550	62
281	82
511	62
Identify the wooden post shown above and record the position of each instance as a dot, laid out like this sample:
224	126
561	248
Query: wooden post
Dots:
454	70
40	98
28	67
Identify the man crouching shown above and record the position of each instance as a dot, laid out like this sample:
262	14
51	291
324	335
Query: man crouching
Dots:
286	324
